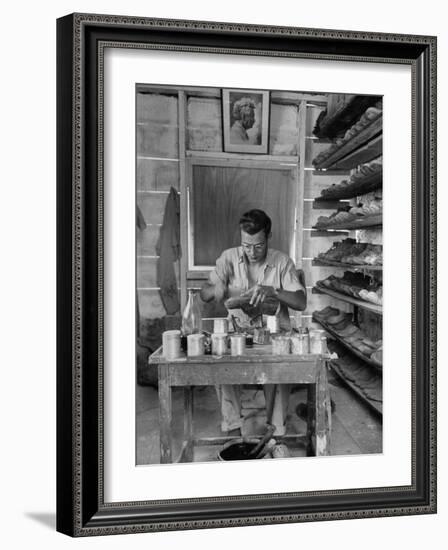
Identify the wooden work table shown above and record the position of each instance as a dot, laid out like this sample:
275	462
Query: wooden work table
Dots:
256	366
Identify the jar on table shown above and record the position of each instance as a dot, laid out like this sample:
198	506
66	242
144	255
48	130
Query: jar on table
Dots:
195	345
273	324
300	344
316	341
219	343
323	343
262	335
237	344
171	344
281	345
220	326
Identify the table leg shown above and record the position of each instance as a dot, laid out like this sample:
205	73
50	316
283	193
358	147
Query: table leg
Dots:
165	415
323	411
311	420
187	448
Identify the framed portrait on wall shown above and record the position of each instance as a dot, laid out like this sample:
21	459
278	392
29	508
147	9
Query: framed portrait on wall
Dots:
245	120
163	170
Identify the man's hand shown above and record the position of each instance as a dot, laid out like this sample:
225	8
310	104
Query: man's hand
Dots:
259	293
211	292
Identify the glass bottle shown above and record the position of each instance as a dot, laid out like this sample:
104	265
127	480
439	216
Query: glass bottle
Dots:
191	317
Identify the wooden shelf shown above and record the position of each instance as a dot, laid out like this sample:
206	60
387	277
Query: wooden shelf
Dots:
328	172
347	345
345	298
330	263
345	116
346	156
367	184
358	223
375	405
366	153
288	159
328	204
322	233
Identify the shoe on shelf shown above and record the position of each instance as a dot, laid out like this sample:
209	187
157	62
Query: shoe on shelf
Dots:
365	350
354	251
372	296
340	318
377	356
323	314
350	330
354	338
342	324
372	255
339	249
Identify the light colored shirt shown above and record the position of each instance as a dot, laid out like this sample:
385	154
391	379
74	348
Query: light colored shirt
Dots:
238	134
278	271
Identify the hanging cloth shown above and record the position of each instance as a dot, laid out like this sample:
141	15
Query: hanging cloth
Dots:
169	251
141	224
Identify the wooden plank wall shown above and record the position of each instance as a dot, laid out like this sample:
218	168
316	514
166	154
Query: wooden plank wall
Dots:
160	165
157	171
161	148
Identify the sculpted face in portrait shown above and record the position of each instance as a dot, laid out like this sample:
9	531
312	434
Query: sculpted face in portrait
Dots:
243	112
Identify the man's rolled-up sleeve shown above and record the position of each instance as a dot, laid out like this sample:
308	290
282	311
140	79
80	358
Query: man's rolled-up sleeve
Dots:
221	272
290	278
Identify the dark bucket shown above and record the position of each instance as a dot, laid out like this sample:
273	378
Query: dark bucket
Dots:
238	449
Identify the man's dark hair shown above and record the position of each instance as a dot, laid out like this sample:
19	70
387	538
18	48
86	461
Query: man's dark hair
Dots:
254	221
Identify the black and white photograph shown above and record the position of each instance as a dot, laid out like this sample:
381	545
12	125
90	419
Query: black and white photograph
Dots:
245	121
259	264
216	335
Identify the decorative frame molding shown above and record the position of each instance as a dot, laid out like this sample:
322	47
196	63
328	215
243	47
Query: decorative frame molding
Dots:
81	40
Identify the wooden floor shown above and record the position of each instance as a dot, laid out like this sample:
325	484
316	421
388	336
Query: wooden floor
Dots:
355	429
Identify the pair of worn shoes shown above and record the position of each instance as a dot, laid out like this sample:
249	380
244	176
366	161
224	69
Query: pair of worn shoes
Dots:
326	312
338	250
369	209
342	324
370	254
341	189
374	297
377	356
353	284
333	317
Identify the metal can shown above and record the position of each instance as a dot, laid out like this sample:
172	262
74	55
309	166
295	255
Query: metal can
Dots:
323	343
220	326
273	323
316	341
281	345
195	345
219	343
237	344
299	344
171	344
261	336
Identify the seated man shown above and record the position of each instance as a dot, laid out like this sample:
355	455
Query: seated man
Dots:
262	274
